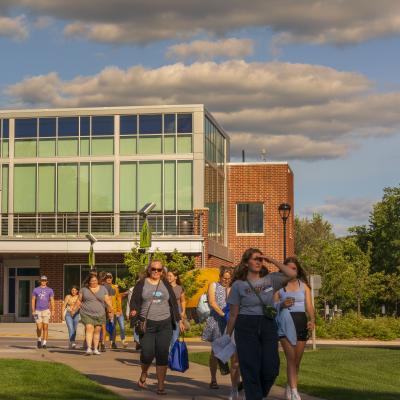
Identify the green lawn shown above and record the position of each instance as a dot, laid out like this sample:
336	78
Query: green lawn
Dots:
37	380
344	373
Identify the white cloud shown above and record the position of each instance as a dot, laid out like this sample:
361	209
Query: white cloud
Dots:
207	49
140	21
15	28
295	111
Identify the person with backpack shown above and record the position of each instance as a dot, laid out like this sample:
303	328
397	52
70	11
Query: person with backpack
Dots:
218	293
296	298
252	316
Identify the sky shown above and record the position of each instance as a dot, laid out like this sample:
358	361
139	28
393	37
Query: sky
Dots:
313	82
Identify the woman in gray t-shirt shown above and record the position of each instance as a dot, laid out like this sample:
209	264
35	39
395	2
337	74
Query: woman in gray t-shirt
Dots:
252	315
93	300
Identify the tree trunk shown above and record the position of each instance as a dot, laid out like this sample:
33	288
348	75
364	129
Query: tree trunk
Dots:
358	307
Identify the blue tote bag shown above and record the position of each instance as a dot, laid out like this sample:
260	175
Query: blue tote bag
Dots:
178	359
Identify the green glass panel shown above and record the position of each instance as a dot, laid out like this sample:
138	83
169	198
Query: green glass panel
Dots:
169	185
149	185
85	146
47	147
149	145
102	146
25	188
102	187
169	144
46	192
127	146
185	185
4	191
67	147
67	188
25	148
127	185
185	144
84	187
5	148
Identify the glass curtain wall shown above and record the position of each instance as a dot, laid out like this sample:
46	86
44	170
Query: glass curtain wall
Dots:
214	148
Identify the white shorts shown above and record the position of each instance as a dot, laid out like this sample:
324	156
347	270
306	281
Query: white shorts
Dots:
42	316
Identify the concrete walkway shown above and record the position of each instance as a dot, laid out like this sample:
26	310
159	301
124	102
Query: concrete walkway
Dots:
118	370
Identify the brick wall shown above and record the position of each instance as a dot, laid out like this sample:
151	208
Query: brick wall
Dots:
271	184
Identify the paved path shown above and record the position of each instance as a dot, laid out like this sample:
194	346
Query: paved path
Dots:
119	370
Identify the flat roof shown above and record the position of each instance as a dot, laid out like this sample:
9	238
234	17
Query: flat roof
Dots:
259	163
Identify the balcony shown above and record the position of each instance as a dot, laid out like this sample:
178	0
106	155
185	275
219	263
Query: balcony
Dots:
103	224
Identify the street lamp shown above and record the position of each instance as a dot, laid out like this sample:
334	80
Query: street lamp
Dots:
91	257
284	212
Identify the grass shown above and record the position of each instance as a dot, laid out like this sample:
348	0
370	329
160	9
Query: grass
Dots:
38	380
344	373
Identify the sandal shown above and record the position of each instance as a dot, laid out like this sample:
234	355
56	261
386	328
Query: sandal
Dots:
214	385
161	392
142	383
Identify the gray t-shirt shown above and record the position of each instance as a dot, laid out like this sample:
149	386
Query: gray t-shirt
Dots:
249	304
159	310
93	304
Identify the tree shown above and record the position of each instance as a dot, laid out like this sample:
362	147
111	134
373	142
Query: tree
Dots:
183	265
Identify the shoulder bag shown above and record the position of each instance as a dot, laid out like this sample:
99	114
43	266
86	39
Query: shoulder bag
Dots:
268	311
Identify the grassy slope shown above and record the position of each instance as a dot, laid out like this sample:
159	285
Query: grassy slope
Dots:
37	380
344	373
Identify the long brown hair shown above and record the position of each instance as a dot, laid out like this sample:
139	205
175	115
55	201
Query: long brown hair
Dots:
89	277
301	273
243	268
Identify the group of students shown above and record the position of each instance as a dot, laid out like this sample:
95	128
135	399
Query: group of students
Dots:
257	304
267	302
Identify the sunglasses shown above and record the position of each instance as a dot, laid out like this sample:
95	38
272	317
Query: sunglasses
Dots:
156	269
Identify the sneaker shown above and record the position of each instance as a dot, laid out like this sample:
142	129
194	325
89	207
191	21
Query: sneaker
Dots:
96	352
234	394
102	347
124	344
89	352
114	346
295	395
288	393
39	344
44	346
73	345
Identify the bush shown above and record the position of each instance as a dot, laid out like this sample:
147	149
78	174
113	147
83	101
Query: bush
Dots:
351	326
195	329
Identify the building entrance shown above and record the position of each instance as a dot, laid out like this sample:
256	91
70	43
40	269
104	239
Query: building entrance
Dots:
24	286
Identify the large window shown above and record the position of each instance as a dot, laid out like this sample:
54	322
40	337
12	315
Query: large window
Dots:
250	218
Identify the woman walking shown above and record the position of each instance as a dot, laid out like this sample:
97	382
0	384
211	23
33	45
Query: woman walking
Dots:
218	293
174	281
92	300
296	297
71	318
252	316
155	312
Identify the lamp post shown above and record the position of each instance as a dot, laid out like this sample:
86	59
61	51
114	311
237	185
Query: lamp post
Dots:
91	257
284	212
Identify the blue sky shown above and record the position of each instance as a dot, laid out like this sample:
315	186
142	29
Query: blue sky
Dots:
316	83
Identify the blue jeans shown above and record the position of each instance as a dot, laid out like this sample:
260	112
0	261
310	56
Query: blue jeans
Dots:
72	324
121	322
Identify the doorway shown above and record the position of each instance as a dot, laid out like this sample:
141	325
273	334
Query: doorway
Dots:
24	286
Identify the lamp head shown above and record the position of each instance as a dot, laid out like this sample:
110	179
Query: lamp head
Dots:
91	238
284	210
146	209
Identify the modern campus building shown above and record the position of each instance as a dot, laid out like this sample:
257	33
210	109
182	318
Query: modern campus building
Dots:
67	172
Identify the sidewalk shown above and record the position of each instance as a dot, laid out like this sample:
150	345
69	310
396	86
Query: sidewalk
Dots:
60	331
118	370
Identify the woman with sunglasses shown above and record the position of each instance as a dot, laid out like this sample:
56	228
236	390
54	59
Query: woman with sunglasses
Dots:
154	302
252	316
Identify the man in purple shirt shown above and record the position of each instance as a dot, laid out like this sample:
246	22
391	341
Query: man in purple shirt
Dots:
42	301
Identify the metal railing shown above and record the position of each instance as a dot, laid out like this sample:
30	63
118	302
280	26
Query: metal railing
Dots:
75	224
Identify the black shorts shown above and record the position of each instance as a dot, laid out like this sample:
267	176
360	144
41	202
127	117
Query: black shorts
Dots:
300	323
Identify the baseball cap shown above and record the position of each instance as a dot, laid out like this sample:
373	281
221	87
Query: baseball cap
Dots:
43	278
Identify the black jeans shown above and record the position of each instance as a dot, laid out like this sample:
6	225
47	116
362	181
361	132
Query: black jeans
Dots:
155	342
257	347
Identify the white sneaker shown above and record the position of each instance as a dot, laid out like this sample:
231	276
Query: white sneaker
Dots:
288	393
96	352
295	395
234	394
89	352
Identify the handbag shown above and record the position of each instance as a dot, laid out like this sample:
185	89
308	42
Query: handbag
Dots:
203	308
178	359
141	325
268	311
